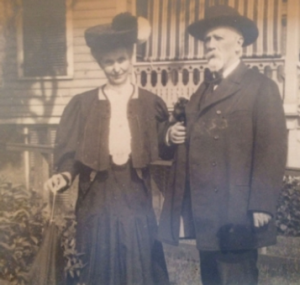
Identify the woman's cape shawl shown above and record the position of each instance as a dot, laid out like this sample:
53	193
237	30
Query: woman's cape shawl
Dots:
83	132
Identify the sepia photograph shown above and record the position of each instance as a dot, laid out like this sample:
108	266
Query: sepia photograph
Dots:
149	142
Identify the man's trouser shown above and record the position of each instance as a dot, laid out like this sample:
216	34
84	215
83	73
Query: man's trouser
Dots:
229	268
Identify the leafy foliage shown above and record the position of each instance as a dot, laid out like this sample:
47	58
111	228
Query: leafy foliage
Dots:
22	219
288	211
73	263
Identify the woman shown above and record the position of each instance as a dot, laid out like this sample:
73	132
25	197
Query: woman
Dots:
108	136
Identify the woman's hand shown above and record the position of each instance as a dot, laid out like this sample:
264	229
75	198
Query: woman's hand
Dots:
58	182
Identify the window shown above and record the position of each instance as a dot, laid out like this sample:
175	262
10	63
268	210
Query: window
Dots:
44	43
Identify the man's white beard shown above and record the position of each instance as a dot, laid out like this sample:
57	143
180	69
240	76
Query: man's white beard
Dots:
215	64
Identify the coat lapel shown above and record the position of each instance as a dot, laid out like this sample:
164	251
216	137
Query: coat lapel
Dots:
192	108
229	86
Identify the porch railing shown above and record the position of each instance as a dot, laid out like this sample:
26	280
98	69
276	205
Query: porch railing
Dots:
174	79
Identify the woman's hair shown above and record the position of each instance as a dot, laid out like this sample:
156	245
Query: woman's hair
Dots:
99	51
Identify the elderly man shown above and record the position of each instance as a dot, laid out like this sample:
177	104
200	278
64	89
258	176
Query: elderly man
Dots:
235	139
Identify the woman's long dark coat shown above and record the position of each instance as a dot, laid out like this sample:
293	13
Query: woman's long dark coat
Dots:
236	155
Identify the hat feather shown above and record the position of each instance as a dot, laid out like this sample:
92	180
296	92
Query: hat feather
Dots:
144	30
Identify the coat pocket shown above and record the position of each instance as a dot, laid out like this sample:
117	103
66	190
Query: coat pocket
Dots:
238	205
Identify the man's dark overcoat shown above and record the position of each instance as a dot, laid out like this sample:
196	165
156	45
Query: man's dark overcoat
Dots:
235	159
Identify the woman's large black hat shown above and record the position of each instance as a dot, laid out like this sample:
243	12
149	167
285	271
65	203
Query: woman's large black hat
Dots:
224	16
124	30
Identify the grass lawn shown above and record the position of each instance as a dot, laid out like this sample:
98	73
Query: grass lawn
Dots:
183	266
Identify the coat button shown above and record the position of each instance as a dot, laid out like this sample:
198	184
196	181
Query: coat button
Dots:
214	164
216	190
219	112
216	137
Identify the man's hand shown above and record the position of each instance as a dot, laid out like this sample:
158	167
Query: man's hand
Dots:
261	219
58	182
177	133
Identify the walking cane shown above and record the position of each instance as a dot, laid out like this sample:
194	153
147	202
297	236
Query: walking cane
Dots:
52	208
48	266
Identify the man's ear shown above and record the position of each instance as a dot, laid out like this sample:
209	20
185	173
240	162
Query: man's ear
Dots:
240	40
239	46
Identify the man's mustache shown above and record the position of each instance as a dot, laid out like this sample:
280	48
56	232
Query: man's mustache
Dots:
211	54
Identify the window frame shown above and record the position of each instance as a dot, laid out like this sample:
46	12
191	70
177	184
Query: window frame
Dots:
69	43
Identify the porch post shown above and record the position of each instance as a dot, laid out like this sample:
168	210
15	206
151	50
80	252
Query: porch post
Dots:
291	98
292	57
26	158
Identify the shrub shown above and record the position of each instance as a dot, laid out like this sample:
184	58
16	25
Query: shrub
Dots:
288	211
73	263
22	219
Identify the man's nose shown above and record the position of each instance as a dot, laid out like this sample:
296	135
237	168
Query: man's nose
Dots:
210	45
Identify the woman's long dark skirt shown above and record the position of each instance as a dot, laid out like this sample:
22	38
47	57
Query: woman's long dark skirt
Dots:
116	232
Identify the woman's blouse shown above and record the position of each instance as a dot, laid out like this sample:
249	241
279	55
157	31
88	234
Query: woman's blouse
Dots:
119	131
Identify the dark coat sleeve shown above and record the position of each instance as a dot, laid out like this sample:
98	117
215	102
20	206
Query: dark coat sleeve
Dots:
269	149
162	117
67	138
170	216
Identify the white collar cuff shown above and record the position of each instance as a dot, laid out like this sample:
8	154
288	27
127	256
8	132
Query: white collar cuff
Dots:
231	68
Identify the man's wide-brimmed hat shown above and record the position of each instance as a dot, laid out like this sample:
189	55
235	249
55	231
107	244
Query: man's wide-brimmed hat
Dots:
124	30
224	16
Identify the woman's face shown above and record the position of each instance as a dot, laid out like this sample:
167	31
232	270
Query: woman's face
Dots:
116	65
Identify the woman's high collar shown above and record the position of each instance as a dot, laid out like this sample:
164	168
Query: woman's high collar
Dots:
126	89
